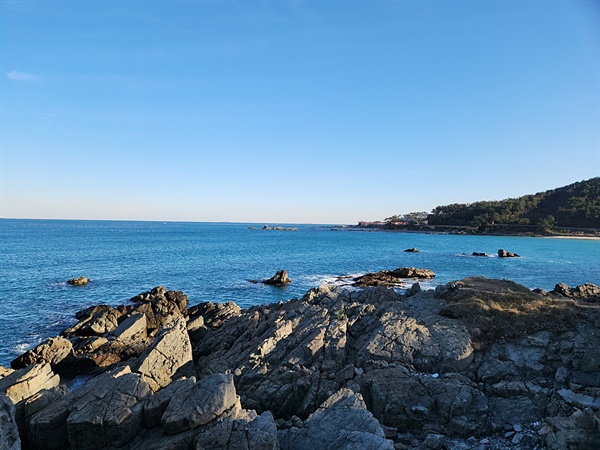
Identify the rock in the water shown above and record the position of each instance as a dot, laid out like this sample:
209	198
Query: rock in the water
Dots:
169	357
505	254
279	279
342	422
412	250
392	277
81	281
480	254
9	432
52	351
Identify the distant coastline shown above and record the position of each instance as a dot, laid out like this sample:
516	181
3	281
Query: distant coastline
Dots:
589	233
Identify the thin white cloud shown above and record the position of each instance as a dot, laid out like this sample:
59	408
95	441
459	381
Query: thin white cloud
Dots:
21	77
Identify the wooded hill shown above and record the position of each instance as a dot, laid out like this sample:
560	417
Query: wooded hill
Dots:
574	206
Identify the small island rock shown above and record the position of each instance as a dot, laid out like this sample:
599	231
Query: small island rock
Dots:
281	278
505	254
81	281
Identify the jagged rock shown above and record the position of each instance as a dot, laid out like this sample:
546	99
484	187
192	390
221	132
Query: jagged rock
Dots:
214	314
392	277
23	383
105	412
451	401
191	407
342	422
133	326
279	279
9	432
580	430
52	351
95	321
258	433
169	357
160	306
151	295
5	371
81	281
414	290
588	292
505	254
155	405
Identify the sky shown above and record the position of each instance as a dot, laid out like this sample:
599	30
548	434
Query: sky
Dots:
292	111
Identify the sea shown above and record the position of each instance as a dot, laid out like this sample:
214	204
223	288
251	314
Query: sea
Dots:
216	261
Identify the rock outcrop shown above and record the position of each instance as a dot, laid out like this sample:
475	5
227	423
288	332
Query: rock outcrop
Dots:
505	254
477	363
587	292
392	277
9	432
53	351
81	281
281	278
169	357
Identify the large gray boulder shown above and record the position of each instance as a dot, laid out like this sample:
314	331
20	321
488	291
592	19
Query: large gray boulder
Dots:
200	404
342	422
407	401
168	358
9	432
251	433
24	383
105	412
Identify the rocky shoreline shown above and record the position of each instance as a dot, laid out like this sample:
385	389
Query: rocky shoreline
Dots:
475	364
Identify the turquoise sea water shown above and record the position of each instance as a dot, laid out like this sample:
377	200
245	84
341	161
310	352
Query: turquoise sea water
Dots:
213	261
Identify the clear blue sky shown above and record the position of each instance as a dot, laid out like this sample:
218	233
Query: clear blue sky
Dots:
292	111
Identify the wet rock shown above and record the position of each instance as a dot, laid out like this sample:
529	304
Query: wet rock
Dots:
412	250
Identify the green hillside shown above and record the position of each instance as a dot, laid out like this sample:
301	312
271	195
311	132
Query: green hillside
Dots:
574	206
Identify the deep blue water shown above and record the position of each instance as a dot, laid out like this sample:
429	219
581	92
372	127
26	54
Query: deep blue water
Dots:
213	261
